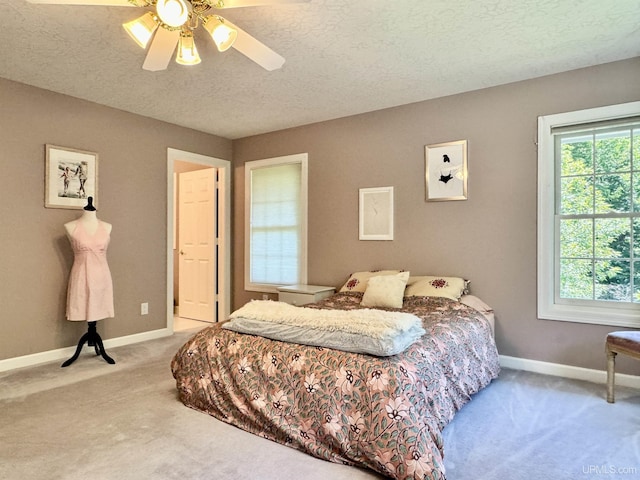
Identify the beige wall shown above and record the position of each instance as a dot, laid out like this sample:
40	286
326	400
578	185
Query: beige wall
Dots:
36	256
489	239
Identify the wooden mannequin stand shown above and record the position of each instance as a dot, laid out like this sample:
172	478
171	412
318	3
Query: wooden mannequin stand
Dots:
92	339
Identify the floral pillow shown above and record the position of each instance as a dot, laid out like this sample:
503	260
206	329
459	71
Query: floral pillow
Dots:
385	291
428	286
358	281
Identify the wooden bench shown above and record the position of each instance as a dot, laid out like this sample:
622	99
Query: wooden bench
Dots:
627	343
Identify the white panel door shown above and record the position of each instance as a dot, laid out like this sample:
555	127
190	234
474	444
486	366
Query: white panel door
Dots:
197	244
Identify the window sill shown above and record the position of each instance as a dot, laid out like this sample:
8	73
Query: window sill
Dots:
616	317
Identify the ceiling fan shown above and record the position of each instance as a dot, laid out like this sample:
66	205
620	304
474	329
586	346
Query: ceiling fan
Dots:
172	22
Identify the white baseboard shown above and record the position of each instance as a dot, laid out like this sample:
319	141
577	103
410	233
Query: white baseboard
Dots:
567	371
64	353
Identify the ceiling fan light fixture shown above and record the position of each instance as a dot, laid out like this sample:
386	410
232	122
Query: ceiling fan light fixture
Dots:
141	29
187	52
174	13
223	35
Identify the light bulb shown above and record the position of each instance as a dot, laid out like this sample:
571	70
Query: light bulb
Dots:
223	35
141	29
187	52
173	12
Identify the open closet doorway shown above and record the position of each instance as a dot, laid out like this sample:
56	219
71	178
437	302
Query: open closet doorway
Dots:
198	237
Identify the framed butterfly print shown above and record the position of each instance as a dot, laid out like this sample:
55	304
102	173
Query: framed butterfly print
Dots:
446	171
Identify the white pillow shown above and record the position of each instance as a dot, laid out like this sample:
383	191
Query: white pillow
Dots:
385	291
428	286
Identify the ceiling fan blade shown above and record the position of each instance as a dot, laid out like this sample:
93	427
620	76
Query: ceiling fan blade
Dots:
161	50
116	3
256	3
256	50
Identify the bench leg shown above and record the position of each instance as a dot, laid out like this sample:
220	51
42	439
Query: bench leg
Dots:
611	375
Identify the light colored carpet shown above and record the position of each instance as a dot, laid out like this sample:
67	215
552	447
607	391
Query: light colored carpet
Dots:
124	421
527	426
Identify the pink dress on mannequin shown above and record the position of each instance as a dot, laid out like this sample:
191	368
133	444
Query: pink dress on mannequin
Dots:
90	293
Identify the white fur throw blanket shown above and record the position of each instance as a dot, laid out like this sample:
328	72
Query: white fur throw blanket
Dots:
376	332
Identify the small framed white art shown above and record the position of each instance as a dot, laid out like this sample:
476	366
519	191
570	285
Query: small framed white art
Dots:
376	213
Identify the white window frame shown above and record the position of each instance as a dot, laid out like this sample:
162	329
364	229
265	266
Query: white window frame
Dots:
303	160
548	308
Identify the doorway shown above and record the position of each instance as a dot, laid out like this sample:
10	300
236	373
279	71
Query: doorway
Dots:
181	161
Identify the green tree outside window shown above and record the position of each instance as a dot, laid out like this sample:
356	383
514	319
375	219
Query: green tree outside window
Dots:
598	210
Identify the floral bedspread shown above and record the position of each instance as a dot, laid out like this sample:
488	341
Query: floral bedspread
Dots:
382	413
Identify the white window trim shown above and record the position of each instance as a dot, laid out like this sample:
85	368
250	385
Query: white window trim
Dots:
303	160
547	307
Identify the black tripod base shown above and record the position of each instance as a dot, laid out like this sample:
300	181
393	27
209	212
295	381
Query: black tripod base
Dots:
92	339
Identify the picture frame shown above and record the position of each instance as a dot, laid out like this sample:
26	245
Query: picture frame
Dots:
376	213
446	174
71	176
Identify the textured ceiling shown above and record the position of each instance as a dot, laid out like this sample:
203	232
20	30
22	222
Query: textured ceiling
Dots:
342	57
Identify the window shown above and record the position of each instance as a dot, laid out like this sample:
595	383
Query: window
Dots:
589	216
275	222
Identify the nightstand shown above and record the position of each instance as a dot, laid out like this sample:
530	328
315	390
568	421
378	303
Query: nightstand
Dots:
303	294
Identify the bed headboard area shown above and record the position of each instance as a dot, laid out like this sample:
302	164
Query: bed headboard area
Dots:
387	288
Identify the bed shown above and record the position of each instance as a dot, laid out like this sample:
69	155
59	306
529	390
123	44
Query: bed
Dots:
385	413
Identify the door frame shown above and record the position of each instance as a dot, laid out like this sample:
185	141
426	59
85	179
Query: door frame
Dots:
224	206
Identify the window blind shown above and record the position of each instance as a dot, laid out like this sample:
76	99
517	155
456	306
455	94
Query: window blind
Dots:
275	224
